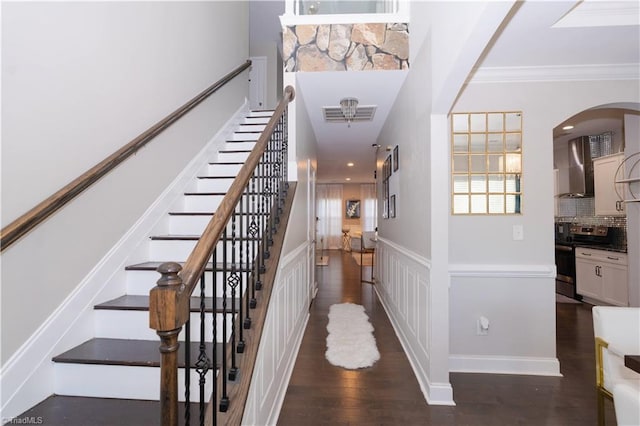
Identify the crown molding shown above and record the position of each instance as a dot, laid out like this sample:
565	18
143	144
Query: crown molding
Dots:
555	73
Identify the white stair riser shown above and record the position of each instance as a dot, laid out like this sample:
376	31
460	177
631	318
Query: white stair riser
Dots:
120	324
202	203
251	127
257	120
223	169
115	381
232	157
188	225
195	225
253	136
231	146
214	185
260	114
140	283
179	250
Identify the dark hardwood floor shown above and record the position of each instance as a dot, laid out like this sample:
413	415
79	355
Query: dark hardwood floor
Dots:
388	393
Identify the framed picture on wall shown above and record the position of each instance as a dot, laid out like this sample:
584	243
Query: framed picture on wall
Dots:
352	210
392	206
395	159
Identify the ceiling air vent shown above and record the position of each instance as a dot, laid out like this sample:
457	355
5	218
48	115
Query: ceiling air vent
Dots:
335	115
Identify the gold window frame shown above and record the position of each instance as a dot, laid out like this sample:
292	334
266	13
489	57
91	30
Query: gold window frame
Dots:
486	163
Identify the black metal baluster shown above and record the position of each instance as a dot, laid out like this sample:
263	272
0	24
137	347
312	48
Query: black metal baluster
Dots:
203	365
214	332
224	398
233	282
187	372
244	263
253	232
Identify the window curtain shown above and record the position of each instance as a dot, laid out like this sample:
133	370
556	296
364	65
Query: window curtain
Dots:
369	213
329	211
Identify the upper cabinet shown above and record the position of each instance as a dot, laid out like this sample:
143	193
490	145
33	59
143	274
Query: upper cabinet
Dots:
609	195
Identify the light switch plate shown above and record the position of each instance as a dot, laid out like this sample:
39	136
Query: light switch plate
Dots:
518	233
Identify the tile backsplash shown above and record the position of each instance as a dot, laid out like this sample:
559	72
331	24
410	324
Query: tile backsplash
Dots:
582	210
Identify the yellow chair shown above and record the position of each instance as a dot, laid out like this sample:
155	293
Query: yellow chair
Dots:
617	333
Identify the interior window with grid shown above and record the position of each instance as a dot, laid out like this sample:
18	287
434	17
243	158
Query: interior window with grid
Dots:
486	152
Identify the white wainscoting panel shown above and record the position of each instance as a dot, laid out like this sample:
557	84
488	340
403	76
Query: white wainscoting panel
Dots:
403	286
519	302
283	330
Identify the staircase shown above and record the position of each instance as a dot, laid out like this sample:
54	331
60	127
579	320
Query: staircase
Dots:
114	377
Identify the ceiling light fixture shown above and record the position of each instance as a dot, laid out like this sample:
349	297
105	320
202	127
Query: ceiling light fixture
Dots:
569	127
349	164
349	106
348	179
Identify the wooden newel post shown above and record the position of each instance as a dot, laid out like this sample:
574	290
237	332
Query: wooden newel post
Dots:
166	318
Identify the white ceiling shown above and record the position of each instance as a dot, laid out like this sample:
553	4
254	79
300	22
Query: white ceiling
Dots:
537	34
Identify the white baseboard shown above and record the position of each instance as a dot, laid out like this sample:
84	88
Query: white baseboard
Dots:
504	365
28	376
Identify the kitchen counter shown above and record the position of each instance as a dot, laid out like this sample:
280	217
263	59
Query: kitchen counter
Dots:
602	247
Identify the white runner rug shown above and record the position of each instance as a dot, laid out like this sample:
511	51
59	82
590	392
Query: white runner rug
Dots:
350	343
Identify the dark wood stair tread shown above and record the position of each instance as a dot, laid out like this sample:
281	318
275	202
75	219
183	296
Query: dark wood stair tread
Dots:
195	238
81	411
153	266
125	352
130	302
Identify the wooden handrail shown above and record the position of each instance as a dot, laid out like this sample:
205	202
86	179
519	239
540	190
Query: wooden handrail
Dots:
19	227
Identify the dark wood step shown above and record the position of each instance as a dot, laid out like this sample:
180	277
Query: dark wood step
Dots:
211	214
218	193
153	266
226	163
125	352
216	177
58	410
195	238
234	151
141	303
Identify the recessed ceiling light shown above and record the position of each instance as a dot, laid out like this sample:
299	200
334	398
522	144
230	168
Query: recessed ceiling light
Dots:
569	127
350	164
348	179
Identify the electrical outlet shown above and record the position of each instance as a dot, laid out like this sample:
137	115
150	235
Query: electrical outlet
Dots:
482	326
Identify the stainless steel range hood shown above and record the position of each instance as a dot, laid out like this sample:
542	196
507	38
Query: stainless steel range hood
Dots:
580	168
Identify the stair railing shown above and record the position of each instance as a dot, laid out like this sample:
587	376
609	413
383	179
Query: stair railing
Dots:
38	214
230	257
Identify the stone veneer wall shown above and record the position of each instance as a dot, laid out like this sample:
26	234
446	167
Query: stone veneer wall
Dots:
346	47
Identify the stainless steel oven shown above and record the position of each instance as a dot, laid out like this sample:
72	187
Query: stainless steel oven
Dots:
566	270
567	237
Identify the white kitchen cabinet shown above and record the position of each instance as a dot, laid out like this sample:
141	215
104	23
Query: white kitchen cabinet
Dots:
602	275
607	202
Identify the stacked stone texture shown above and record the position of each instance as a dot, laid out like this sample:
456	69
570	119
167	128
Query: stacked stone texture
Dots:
346	47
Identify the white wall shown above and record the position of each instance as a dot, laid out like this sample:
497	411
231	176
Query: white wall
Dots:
79	81
512	282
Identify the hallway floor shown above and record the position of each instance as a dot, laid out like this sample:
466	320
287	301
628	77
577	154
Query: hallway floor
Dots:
389	394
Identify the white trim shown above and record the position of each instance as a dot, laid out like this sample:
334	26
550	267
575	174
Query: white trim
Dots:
27	377
292	255
504	365
502	271
593	72
423	261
